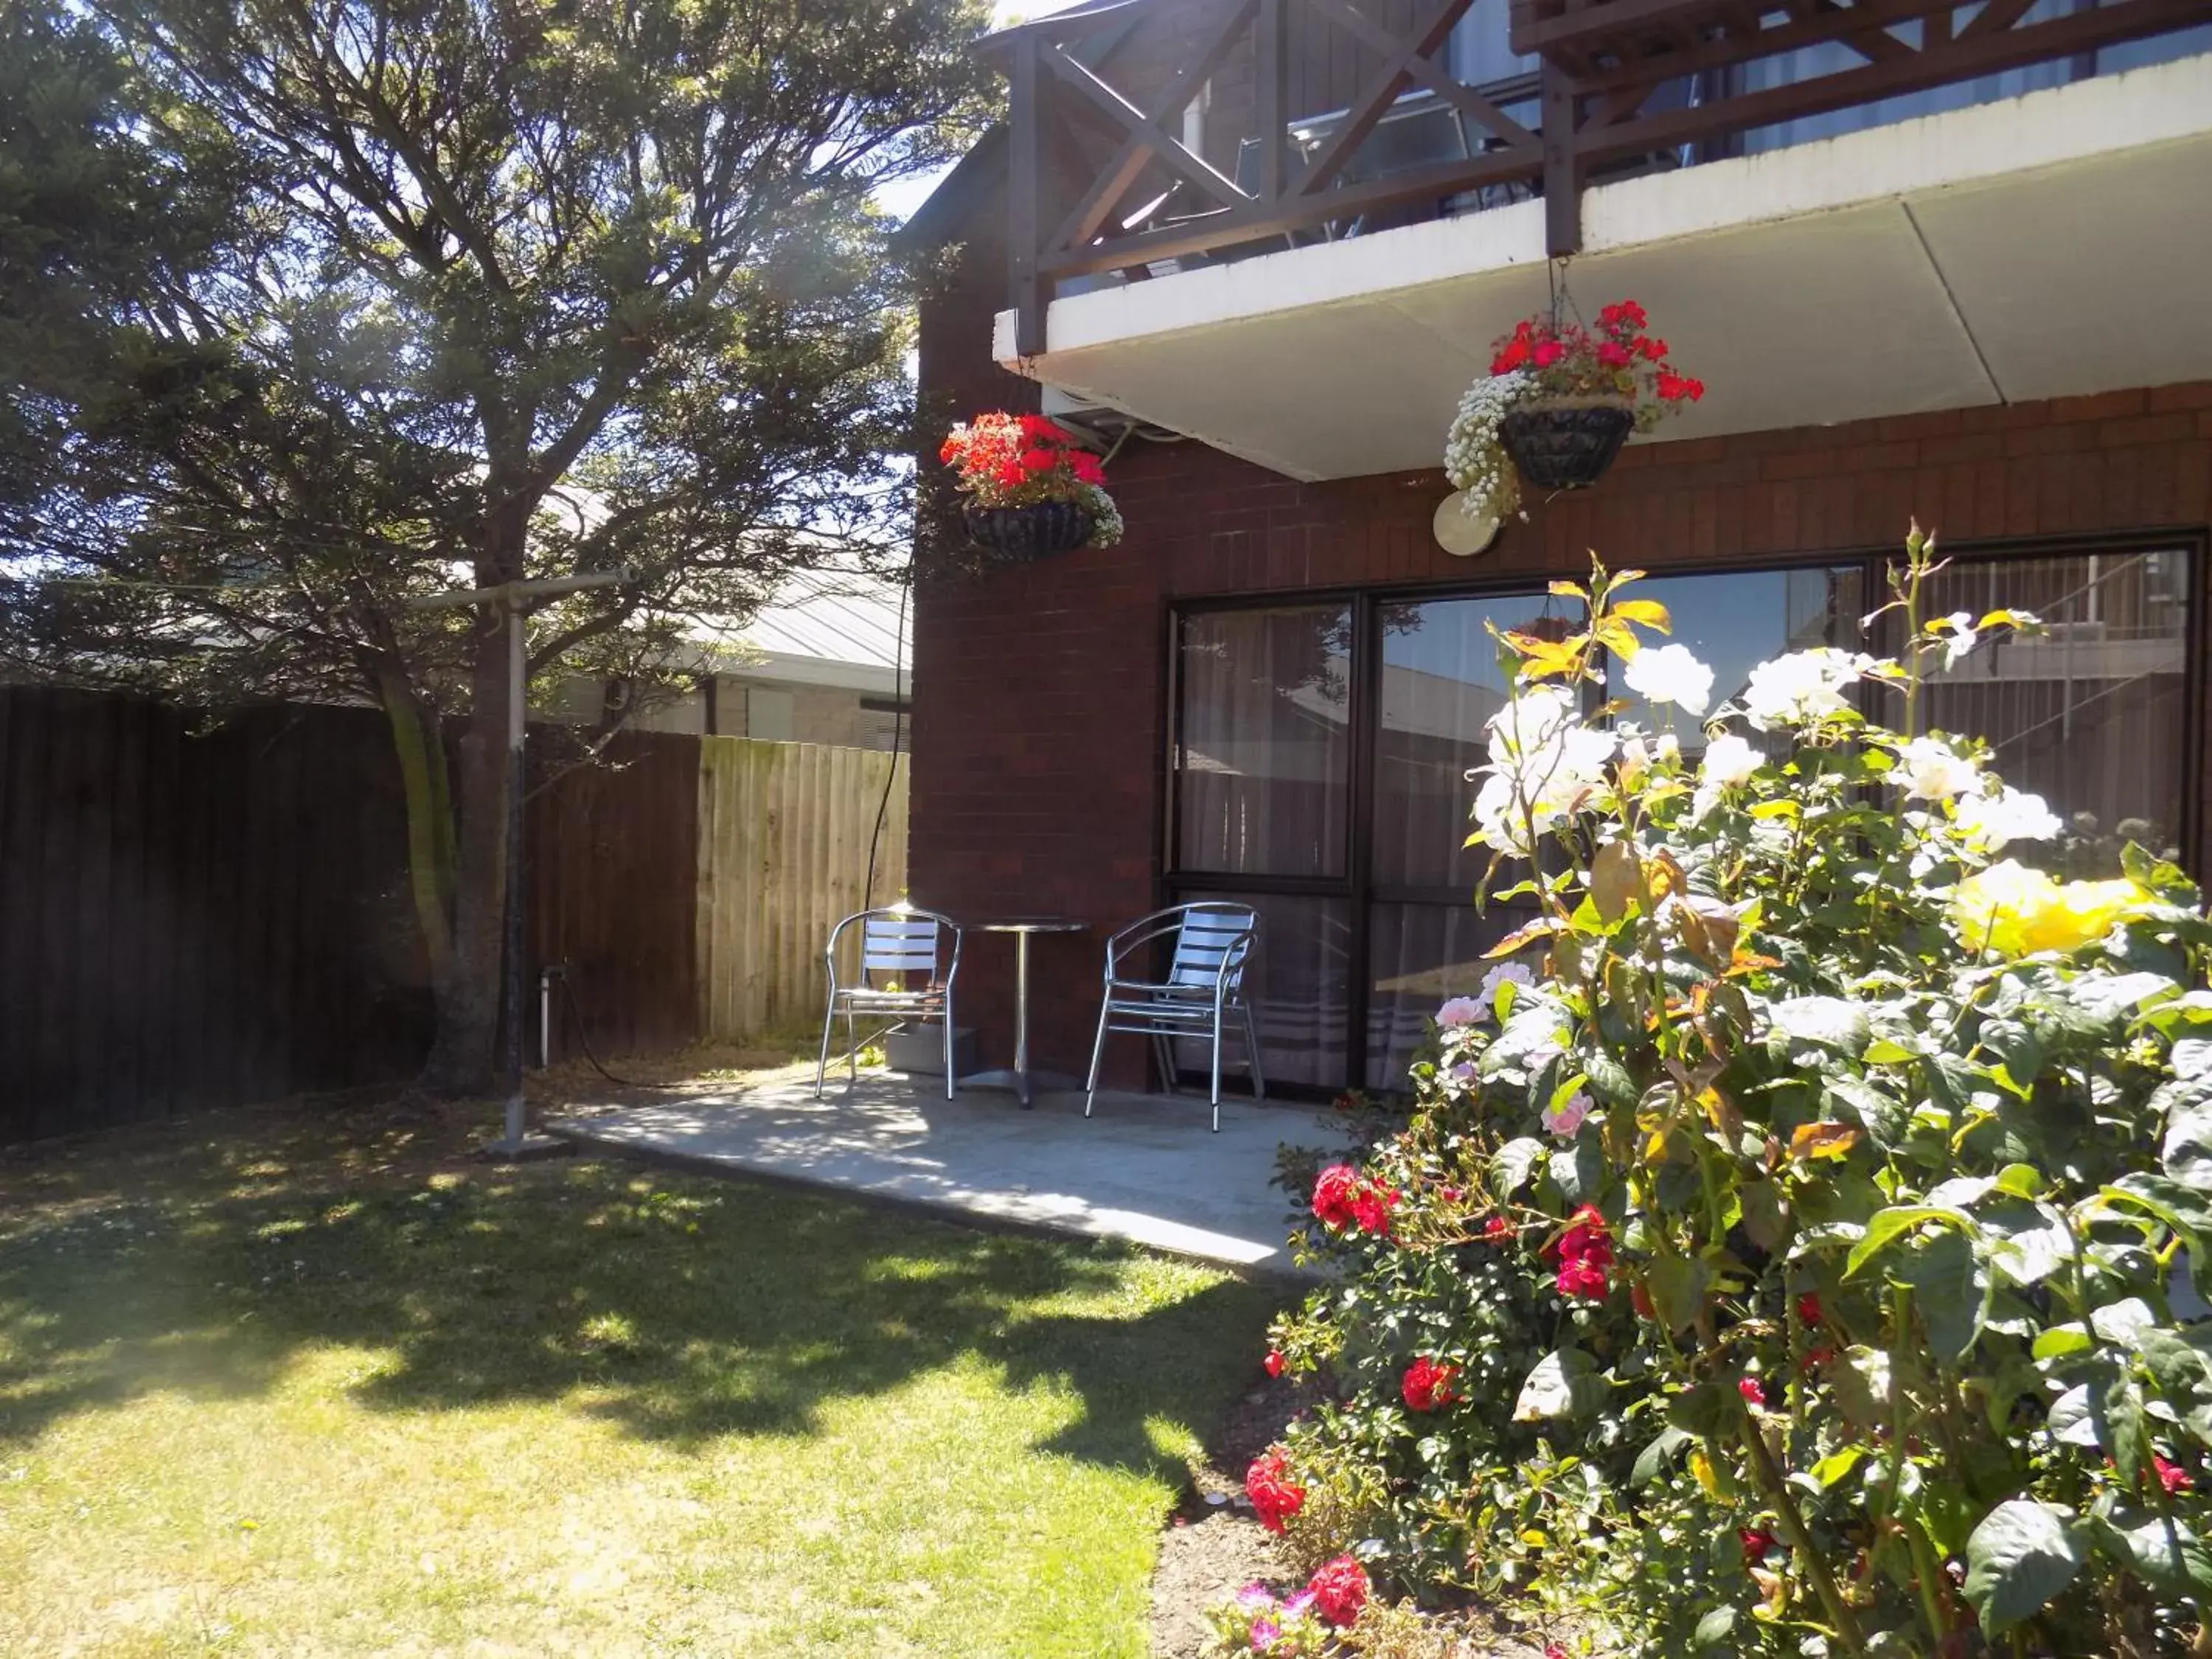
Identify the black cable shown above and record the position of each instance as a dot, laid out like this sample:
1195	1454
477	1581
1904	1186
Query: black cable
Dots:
583	1035
898	719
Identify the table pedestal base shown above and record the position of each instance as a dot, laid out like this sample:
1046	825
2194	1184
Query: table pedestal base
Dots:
1025	1085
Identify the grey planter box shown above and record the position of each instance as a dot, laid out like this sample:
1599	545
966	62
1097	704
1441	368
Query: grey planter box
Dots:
920	1050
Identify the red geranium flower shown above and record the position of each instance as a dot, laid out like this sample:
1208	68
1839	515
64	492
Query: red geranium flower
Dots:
1547	353
1275	1496
1613	355
1339	1590
1428	1386
1333	1191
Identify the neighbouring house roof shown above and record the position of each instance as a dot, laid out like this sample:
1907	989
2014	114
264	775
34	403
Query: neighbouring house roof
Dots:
826	628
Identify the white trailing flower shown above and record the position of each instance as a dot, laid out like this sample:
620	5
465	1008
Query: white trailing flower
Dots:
1106	527
1930	769
1473	460
1992	822
1543	761
1669	673
1802	688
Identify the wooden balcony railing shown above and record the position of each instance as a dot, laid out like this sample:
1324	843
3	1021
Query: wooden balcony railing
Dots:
1293	97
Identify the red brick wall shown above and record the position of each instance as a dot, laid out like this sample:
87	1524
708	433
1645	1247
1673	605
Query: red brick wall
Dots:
1039	732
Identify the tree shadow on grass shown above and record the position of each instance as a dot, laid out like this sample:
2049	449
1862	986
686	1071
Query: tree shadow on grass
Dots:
683	1307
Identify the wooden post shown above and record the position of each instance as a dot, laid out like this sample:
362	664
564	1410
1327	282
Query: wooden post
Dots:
1563	181
1273	66
1024	119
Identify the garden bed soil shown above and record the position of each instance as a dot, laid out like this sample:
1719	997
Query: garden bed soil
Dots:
1213	1546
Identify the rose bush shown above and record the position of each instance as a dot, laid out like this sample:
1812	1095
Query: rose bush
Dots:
1802	1245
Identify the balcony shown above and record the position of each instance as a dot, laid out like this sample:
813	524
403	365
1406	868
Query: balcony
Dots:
1291	227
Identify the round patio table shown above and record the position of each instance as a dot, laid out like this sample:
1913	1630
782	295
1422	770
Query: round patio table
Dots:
1023	1081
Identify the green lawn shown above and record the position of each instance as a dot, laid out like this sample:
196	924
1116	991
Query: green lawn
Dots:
274	1384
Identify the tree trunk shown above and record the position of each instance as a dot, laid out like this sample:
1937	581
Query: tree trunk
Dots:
468	997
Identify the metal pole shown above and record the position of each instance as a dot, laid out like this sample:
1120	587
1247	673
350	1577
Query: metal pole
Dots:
513	980
1022	1018
513	601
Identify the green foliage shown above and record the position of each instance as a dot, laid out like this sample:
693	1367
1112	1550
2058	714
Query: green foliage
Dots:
1807	1232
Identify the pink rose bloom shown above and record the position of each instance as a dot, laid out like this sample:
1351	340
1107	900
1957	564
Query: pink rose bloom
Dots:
1462	1011
1569	1118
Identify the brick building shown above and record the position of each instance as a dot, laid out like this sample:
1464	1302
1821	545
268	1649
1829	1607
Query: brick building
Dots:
1943	265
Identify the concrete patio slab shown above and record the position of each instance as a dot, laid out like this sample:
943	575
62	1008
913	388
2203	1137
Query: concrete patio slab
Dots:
1144	1168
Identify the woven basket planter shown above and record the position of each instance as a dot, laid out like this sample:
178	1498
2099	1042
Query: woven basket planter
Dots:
1035	531
1566	445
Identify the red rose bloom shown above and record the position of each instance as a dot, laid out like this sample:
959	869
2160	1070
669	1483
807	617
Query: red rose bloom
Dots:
1816	1358
1640	1299
1585	1251
2172	1476
1339	1590
1274	1495
1497	1230
1756	1541
1753	1392
1273	1364
1428	1386
1372	1206
1585	1279
1333	1191
1809	1308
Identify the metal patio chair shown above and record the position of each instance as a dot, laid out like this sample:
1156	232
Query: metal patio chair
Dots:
907	947
1203	989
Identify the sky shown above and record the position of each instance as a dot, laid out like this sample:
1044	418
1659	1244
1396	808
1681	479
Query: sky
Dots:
900	200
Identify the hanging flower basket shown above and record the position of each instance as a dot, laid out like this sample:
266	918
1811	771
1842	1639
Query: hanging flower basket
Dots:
1029	490
1558	404
1565	443
1035	531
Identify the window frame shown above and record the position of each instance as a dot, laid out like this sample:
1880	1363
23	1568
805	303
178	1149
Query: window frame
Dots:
1355	888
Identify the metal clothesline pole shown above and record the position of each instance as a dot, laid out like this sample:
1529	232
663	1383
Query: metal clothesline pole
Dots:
515	600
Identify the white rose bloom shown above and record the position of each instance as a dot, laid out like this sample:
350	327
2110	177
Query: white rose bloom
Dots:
1543	761
1958	638
1669	749
1670	674
1930	769
1992	822
1729	760
1800	688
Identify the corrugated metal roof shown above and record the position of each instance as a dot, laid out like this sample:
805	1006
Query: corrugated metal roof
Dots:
835	616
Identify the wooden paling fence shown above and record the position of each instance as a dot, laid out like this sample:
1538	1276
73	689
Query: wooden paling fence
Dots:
784	836
198	914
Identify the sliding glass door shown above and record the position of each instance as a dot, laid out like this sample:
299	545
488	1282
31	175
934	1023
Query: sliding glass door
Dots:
1321	753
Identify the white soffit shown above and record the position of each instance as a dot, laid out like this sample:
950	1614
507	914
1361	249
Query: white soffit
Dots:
2006	251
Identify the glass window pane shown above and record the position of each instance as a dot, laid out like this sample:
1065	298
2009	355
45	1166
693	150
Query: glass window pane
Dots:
1262	766
1421	954
1298	983
1733	622
1441	682
2092	715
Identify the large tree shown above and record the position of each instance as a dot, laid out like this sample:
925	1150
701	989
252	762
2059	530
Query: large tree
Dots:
320	306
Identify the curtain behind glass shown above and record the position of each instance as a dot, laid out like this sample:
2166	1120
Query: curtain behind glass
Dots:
1262	770
2093	716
